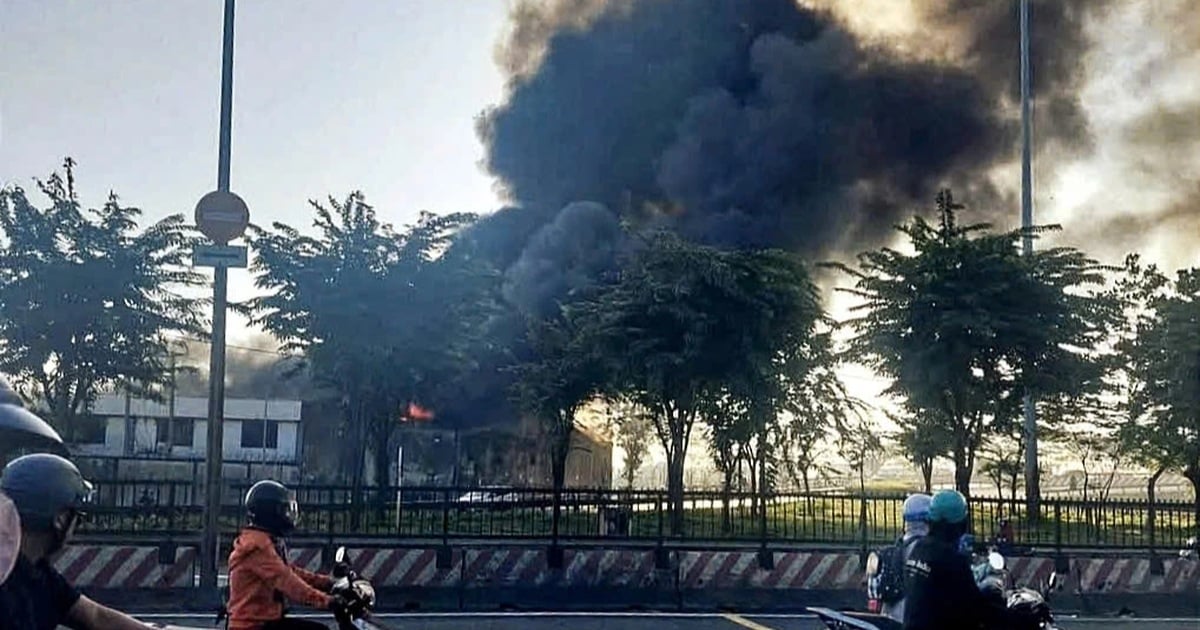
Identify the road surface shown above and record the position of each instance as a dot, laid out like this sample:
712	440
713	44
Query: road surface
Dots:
656	621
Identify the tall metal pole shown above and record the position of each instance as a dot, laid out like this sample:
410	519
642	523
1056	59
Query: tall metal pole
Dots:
1032	481
216	363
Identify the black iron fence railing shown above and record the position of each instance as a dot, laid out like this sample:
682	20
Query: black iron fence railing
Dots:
176	509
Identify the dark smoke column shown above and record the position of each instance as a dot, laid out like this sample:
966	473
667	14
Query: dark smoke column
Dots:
736	123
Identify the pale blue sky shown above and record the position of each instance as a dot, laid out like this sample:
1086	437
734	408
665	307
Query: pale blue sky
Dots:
377	95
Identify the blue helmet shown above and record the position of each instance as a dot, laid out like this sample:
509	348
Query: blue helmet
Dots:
916	508
948	506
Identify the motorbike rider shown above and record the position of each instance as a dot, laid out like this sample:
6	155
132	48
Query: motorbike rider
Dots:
916	527
50	496
940	589
261	580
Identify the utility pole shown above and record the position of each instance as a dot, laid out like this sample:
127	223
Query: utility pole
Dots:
208	215
1032	482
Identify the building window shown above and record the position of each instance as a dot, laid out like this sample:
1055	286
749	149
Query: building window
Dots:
260	434
90	429
181	432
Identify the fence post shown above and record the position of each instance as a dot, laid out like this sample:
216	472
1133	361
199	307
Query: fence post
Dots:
662	559
766	559
446	517
171	508
1061	564
1058	528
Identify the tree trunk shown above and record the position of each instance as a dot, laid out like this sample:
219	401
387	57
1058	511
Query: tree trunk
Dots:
558	477
726	491
675	489
962	470
808	497
1151	508
356	430
752	463
927	474
1192	473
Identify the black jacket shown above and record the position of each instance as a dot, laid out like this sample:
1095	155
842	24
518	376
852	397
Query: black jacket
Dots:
940	590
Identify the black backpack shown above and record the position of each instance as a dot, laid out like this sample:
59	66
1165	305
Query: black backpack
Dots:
891	571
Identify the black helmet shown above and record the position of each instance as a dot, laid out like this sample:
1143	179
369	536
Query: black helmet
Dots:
270	506
20	428
43	485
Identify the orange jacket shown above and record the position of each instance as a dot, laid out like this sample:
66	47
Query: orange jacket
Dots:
258	577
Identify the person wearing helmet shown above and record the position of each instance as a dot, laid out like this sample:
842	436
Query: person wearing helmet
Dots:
260	579
51	497
916	527
940	589
20	428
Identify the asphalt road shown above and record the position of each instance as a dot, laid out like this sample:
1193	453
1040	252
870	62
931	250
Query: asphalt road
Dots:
657	621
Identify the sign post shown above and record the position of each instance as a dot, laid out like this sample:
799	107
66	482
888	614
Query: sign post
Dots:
221	216
399	483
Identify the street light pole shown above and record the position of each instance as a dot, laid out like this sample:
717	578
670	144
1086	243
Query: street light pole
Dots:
1032	481
216	372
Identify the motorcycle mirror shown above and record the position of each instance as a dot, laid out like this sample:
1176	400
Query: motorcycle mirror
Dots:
1052	582
872	564
339	556
996	561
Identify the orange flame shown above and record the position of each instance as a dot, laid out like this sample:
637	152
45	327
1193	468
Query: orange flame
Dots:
418	413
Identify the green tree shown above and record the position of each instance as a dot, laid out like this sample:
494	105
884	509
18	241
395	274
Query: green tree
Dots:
965	325
923	441
685	325
554	385
1167	407
818	405
383	318
632	429
730	431
87	299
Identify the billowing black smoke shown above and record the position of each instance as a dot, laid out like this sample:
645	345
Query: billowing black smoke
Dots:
764	122
571	253
745	123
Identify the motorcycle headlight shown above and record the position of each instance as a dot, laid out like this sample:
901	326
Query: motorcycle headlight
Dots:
872	564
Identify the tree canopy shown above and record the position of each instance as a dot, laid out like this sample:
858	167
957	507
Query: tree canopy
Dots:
965	325
88	299
383	317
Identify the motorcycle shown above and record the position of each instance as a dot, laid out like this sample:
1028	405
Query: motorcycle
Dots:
1191	550
346	583
1029	608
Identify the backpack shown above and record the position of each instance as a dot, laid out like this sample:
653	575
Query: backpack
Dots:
891	571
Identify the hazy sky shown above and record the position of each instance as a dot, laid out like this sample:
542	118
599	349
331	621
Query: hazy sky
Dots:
328	97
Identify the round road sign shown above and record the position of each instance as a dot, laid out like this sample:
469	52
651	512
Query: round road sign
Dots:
222	216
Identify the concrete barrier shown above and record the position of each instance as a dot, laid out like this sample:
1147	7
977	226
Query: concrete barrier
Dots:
596	577
127	567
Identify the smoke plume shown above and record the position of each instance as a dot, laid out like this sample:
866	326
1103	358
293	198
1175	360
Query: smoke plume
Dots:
816	125
767	122
569	254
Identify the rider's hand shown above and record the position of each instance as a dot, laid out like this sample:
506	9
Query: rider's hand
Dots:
347	603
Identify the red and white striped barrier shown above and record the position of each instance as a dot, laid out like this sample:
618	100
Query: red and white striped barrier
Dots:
793	570
1132	575
406	567
94	566
133	567
581	567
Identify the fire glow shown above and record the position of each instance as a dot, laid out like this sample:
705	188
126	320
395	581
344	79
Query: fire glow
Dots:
417	413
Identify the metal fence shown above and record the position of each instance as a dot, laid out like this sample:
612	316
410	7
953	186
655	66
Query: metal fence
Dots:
169	508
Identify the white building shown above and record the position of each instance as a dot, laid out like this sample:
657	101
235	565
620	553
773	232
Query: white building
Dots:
255	429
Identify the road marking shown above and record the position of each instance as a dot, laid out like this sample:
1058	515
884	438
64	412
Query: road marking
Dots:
745	623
